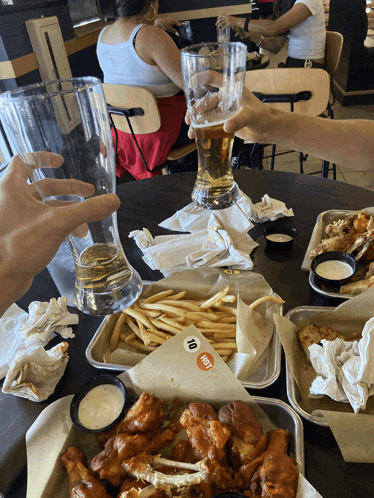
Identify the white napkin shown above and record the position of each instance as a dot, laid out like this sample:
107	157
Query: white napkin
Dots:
238	217
34	374
345	370
20	332
216	239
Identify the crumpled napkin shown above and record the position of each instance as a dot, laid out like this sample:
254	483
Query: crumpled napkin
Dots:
345	370
238	216
48	317
20	331
216	239
34	374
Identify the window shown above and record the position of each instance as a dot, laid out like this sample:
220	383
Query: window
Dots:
83	11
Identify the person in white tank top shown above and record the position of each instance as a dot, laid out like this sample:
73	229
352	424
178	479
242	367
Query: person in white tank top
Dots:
133	51
301	22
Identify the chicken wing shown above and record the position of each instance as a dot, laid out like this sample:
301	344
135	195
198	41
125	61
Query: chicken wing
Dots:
124	446
247	440
274	473
82	482
206	433
208	437
145	415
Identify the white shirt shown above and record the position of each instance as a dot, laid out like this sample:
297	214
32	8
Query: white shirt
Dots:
121	65
307	39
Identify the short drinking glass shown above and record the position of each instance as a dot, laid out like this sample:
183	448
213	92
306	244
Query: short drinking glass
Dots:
69	117
213	75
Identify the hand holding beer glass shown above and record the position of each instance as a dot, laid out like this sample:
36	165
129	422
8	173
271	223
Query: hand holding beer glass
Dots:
70	118
213	75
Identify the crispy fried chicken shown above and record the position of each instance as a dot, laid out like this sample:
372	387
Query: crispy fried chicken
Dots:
82	482
247	440
145	415
274	473
122	446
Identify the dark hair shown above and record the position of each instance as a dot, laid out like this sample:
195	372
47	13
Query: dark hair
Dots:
128	8
280	7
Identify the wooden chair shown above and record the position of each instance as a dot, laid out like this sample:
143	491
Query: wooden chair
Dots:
134	110
300	90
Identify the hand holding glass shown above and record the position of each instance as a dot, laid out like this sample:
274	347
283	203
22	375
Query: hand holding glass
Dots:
213	75
70	118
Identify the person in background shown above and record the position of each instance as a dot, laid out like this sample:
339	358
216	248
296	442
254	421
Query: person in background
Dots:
348	143
300	22
265	8
134	51
31	231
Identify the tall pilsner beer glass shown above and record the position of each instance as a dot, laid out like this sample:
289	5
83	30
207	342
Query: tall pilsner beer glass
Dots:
213	75
69	117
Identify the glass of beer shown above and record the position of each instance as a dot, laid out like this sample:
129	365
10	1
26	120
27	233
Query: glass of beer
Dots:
69	117
213	75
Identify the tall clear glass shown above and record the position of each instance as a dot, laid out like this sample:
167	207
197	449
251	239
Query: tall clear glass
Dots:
213	75
70	117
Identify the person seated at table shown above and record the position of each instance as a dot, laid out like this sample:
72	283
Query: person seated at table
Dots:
300	22
31	231
133	51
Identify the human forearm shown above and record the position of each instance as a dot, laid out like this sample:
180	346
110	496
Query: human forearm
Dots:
348	143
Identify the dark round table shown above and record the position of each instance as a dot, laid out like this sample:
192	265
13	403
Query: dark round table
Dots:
145	204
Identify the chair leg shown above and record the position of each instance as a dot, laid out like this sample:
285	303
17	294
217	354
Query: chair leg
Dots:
302	159
325	169
273	148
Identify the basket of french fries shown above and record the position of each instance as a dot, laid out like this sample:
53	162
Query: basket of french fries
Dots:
234	312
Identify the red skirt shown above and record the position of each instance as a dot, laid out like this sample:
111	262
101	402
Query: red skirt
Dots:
154	146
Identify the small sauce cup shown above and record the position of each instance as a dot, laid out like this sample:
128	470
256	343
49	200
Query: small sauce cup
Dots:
280	237
334	268
99	405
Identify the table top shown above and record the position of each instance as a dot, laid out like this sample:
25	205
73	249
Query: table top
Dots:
146	203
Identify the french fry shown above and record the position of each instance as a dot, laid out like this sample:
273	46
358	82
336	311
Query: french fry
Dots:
171	309
180	295
226	345
182	304
225	326
158	296
139	345
114	338
229	299
266	298
138	317
127	337
130	322
215	298
174	322
224	352
165	326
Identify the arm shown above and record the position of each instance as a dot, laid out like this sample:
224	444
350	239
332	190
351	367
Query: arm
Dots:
160	48
271	44
167	22
31	231
231	21
348	143
292	18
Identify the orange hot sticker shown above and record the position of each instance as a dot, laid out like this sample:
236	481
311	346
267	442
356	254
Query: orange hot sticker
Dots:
205	361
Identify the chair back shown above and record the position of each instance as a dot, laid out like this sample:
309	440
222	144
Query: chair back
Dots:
281	81
131	97
333	50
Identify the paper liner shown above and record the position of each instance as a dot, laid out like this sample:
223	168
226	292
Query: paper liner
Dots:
350	317
169	372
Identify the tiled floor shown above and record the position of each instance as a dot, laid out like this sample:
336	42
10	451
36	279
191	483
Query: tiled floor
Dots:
290	162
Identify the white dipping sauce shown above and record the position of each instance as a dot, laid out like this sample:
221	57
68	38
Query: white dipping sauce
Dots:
101	406
334	270
279	237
